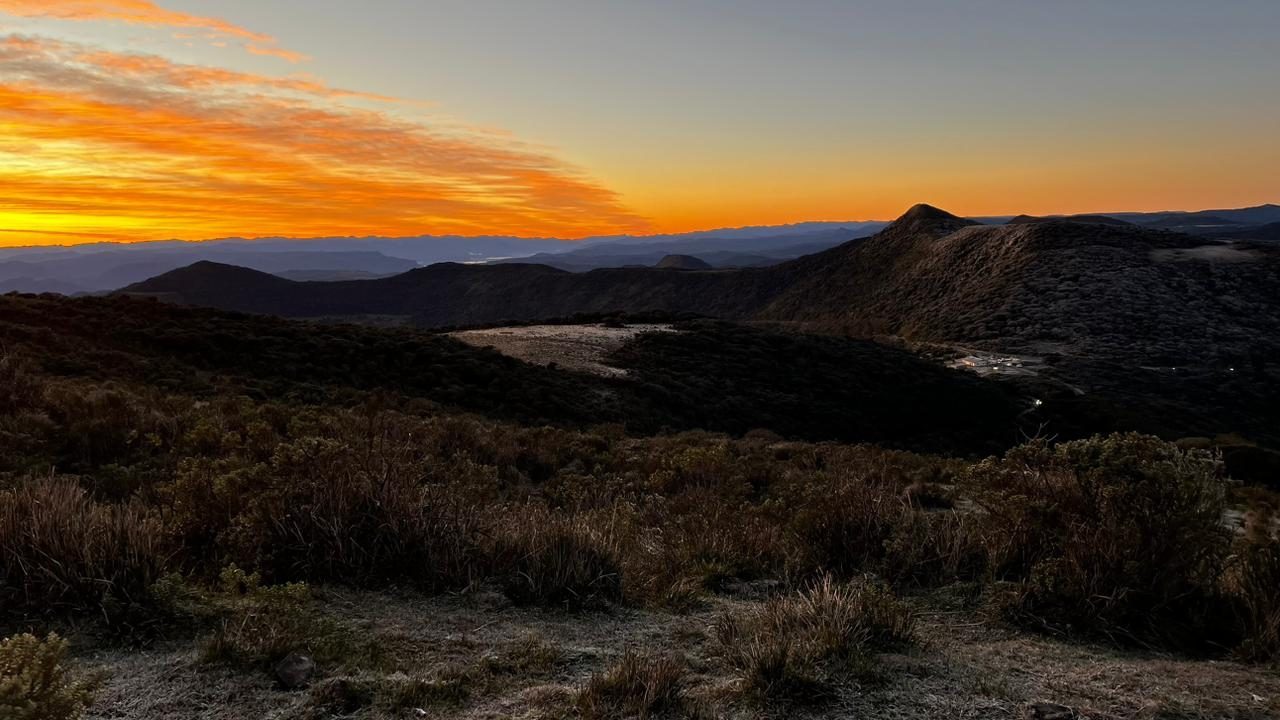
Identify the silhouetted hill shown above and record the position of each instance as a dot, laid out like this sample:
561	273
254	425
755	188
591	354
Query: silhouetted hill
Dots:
1089	219
682	262
450	294
1192	220
89	270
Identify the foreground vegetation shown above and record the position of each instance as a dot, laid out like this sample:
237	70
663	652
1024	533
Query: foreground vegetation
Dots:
229	521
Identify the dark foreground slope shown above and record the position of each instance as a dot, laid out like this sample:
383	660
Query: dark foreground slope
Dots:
709	376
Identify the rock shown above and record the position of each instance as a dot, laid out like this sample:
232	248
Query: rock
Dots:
295	671
1050	711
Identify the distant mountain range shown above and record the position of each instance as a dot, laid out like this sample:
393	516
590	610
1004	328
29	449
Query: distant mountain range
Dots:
102	267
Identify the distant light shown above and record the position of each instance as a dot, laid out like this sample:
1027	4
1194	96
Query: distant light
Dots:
1037	402
1231	369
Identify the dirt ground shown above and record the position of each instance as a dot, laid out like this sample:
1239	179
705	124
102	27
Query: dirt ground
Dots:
575	347
965	667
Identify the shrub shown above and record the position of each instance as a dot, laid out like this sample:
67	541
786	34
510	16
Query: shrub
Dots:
793	647
336	513
20	388
679	549
1119	536
62	551
1252	580
637	686
548	559
258	625
35	682
843	522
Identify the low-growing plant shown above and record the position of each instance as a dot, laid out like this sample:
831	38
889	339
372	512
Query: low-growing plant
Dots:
258	625
36	682
639	685
796	646
391	694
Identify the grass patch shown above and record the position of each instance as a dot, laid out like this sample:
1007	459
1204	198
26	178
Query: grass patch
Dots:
796	647
639	685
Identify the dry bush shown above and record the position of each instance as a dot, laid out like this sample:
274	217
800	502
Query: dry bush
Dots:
1119	536
20	387
1252	581
546	558
931	549
843	522
62	551
793	647
35	682
677	549
637	686
336	513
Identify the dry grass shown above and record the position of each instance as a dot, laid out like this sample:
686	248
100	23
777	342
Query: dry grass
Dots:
62	551
549	559
637	686
1252	580
794	647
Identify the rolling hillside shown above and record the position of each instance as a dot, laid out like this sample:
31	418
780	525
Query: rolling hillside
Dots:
1059	286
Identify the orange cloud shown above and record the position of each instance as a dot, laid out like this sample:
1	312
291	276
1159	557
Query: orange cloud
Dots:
287	55
135	147
145	12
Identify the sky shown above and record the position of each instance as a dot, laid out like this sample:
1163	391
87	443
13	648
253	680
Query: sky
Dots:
194	119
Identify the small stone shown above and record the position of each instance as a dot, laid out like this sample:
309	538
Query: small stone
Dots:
1050	711
295	671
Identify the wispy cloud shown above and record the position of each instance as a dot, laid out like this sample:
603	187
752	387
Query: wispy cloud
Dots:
134	146
145	12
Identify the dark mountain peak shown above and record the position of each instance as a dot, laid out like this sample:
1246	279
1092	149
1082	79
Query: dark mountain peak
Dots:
209	279
924	212
682	262
928	219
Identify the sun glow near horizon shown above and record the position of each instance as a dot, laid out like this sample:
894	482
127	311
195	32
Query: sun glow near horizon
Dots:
124	120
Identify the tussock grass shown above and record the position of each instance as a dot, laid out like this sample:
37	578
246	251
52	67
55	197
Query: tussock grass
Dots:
639	685
548	559
60	550
793	647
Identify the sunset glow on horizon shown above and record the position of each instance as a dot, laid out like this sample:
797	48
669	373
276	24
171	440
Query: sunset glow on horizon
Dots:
131	120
